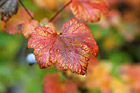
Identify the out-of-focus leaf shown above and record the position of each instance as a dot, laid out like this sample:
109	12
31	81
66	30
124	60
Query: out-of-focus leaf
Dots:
126	27
130	74
29	28
48	4
8	8
98	76
113	18
16	24
53	84
118	86
89	10
70	48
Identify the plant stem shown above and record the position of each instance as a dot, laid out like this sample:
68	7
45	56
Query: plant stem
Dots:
60	11
26	9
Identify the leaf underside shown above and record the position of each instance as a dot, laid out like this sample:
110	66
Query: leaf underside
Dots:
8	8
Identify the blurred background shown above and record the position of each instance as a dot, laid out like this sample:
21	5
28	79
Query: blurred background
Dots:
115	70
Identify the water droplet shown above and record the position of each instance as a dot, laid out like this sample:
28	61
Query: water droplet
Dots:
85	75
57	50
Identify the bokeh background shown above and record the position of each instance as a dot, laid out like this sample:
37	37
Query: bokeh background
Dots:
115	70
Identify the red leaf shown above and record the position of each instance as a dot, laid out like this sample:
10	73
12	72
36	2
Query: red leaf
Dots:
89	10
53	84
70	48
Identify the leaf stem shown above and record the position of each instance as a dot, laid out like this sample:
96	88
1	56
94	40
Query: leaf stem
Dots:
60	11
26	9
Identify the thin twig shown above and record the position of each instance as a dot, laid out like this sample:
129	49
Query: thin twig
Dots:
60	11
26	9
3	2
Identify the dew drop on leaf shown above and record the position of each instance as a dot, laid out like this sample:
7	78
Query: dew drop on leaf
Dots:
85	75
58	50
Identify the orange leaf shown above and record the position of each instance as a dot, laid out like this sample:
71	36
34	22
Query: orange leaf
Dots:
70	48
53	84
131	74
15	25
89	10
98	76
48	4
29	28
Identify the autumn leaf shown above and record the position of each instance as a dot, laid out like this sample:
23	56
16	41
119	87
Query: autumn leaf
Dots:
92	62
15	25
53	84
48	4
80	79
29	28
70	48
118	86
8	8
89	10
99	76
130	74
20	23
